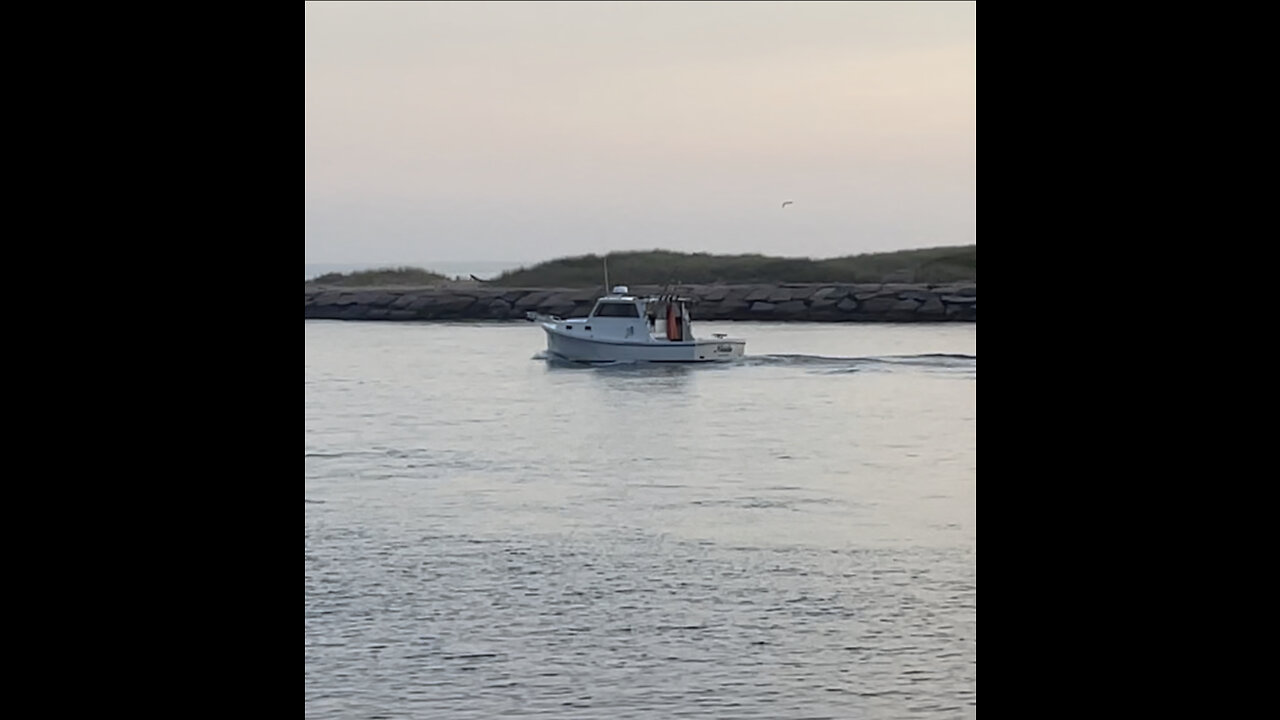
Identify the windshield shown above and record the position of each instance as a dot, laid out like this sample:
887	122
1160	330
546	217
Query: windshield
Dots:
617	310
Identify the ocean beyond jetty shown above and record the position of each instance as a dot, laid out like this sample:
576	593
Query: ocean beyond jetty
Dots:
827	302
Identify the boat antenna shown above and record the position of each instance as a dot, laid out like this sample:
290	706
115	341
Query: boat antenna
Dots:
606	274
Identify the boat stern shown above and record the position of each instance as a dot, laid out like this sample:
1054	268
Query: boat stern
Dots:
726	349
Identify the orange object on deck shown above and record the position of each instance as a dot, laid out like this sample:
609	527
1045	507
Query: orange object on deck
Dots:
673	323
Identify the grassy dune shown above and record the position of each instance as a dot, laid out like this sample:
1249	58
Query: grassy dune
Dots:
380	277
659	267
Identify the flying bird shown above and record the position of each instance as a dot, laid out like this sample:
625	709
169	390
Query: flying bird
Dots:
787	202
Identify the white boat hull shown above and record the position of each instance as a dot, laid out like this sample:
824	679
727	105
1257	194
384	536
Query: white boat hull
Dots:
564	345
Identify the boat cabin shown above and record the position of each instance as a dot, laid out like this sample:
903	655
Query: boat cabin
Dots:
622	316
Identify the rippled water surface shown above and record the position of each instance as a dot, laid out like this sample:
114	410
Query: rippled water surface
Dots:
489	534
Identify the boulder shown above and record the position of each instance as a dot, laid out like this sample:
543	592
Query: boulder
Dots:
562	299
498	308
878	304
865	302
825	310
790	309
726	310
374	298
532	300
830	293
932	307
866	291
716	294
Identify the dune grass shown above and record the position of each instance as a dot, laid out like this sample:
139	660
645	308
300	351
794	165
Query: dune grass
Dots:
661	267
380	277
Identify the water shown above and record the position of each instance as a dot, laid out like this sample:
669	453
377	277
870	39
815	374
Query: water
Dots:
488	534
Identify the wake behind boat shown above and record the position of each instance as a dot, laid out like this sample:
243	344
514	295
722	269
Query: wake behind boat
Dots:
623	328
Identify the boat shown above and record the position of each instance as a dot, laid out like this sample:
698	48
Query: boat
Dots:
624	328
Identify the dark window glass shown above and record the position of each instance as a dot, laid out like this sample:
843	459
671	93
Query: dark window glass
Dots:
617	310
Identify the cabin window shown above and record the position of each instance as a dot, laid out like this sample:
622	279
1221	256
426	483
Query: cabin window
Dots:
617	310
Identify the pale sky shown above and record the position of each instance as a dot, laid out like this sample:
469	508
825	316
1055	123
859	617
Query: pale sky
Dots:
459	131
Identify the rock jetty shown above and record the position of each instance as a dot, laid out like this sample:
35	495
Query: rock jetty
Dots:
876	302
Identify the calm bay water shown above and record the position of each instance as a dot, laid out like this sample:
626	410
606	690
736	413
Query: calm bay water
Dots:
488	534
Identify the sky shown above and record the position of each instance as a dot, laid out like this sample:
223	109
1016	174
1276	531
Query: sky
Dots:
505	131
